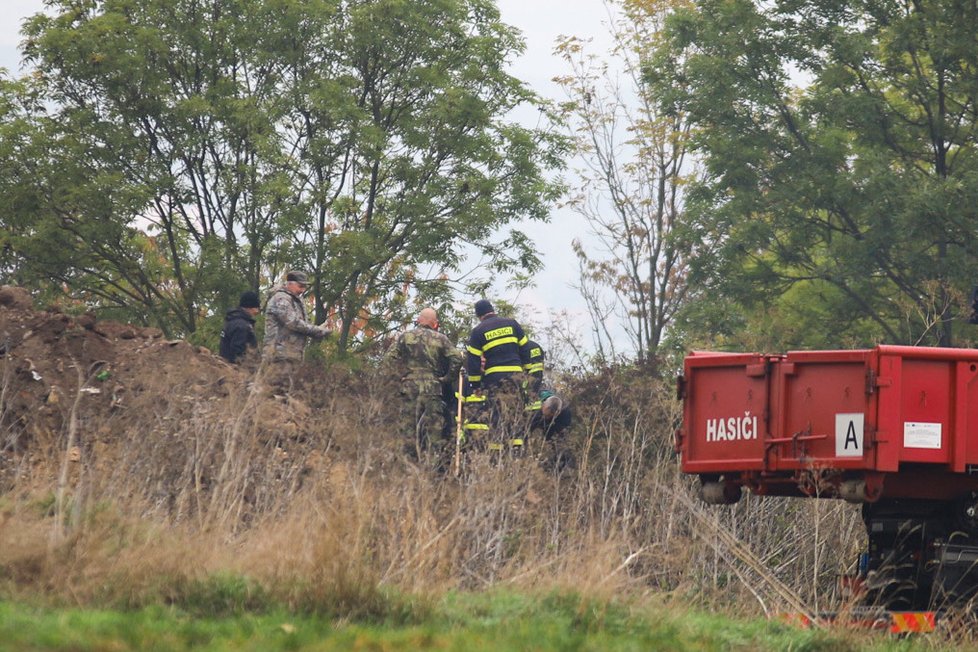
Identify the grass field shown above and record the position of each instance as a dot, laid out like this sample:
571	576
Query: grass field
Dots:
483	621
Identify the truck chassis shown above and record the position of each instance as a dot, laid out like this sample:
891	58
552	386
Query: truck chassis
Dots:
893	428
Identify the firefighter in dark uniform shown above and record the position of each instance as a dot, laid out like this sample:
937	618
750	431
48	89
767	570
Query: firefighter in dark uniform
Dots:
534	372
534	368
503	345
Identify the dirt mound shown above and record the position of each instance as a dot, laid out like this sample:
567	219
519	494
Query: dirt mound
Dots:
15	297
165	421
50	356
60	372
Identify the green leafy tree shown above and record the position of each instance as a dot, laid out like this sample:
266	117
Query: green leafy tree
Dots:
60	224
190	149
404	157
839	140
164	114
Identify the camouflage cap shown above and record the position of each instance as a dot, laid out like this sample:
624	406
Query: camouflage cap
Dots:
298	277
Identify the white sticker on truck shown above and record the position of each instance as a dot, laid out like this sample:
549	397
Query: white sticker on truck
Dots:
849	434
917	434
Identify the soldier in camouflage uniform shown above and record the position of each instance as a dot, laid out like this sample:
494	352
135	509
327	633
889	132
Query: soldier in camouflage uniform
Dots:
424	360
286	332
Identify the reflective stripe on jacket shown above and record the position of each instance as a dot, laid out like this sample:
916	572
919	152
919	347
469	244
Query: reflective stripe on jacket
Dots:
503	344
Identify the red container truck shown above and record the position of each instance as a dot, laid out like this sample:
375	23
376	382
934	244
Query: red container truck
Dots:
894	428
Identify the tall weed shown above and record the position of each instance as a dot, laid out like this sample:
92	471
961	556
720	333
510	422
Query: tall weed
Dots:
313	502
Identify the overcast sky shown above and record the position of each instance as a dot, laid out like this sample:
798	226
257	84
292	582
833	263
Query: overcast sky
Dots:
542	22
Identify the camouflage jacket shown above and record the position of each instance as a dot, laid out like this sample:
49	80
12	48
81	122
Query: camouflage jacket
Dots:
424	354
286	326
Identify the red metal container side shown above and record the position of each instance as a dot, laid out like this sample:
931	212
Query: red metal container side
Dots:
870	409
928	407
725	416
823	411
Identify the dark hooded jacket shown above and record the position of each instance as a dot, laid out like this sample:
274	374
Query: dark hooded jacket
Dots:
238	335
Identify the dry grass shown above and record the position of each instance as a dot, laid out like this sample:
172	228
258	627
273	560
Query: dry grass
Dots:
316	504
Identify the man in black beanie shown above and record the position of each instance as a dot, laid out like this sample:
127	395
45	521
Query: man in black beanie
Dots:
238	335
497	352
499	341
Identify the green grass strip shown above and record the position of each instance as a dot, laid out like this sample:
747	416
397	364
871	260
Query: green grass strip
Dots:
463	622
